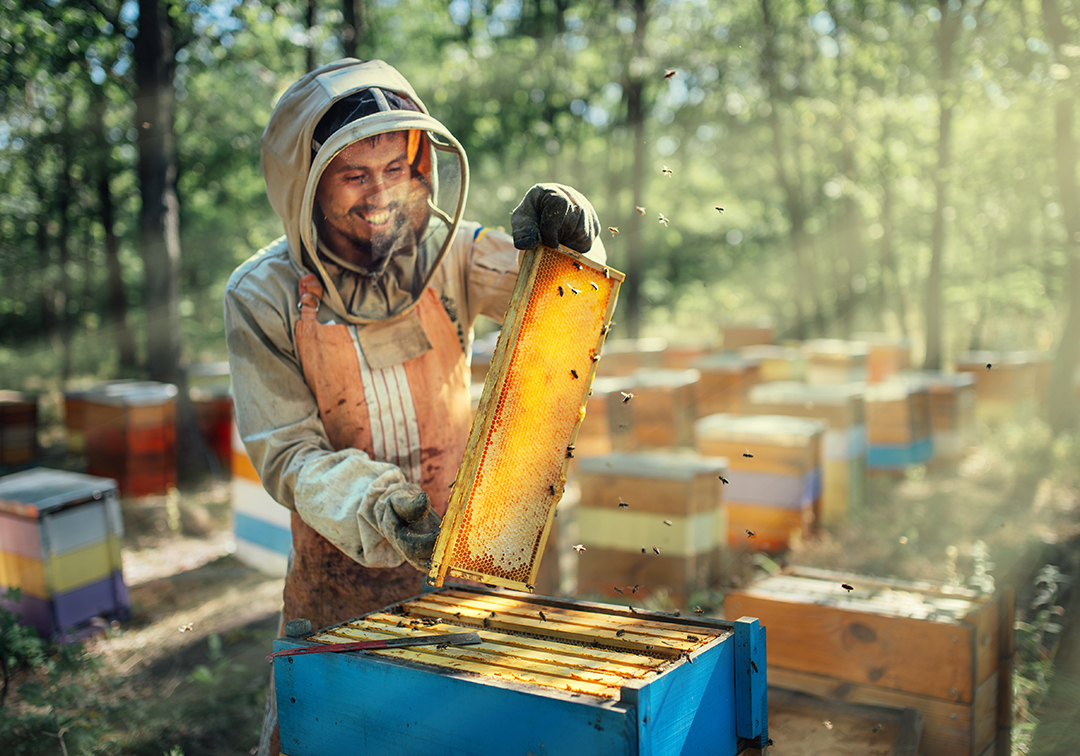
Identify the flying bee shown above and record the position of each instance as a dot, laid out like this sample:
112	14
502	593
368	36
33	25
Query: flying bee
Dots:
626	396
750	534
635	588
828	724
662	219
722	478
457	614
719	209
560	291
846	587
613	229
666	171
753	666
668	523
747	454
623	504
579	548
698	610
988	366
618	590
619	633
594	286
542	617
656	549
187	627
574	373
877	728
643	551
640	209
669	72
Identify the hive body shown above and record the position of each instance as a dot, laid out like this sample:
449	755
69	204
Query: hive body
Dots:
262	527
581	678
522	438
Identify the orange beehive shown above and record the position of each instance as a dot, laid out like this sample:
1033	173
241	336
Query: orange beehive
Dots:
522	439
18	427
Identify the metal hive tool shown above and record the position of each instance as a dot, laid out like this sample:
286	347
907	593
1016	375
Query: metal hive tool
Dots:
514	469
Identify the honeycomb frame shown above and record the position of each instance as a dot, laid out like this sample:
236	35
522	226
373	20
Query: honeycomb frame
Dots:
521	441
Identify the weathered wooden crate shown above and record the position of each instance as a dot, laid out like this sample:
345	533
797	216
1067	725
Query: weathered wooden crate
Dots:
776	362
836	361
262	527
942	650
624	356
898	426
631	503
726	379
550	677
1009	387
738	335
130	432
774	477
661	413
888	355
843	409
18	428
60	536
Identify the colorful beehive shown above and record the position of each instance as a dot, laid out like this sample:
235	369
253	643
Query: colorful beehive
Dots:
209	390
1008	387
776	362
549	677
774	479
898	426
835	361
631	503
624	356
843	408
726	378
60	536
661	413
952	410
942	650
738	335
261	526
18	428
130	429
888	355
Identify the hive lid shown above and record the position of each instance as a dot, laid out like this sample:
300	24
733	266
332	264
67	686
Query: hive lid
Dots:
785	392
667	465
34	492
521	441
774	429
131	393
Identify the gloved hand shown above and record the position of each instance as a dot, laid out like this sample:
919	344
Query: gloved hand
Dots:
553	214
409	524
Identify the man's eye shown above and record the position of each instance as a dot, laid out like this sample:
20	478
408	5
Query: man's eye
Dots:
358	178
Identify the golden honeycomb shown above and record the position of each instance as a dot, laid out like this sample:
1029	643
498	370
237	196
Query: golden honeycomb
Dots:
521	440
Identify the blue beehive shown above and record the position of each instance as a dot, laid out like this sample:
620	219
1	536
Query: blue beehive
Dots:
60	536
551	676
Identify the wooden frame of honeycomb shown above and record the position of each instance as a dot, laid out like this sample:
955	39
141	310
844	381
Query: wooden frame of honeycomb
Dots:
521	441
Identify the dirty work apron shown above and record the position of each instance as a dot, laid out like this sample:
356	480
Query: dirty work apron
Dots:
415	415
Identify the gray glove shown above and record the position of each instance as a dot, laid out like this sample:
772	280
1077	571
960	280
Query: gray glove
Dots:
554	214
410	525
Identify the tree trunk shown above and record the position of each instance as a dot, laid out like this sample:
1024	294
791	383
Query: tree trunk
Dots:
1062	407
950	26
354	30
309	22
635	116
159	225
889	266
63	245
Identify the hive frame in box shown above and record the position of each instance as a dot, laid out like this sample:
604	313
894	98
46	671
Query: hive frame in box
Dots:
557	685
559	295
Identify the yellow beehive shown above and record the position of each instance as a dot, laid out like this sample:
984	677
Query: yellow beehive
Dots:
835	361
776	362
522	438
726	378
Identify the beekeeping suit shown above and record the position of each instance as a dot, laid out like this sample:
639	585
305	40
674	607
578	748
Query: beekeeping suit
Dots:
349	348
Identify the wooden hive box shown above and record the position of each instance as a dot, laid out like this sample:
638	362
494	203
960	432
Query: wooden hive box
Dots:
888	355
774	478
624	356
683	356
262	527
952	410
843	409
835	361
776	362
130	432
549	677
661	413
60	537
209	387
726	379
594	433
18	428
738	335
898	426
944	651
684	490
1008	388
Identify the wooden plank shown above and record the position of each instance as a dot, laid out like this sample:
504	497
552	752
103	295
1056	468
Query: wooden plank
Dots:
984	711
19	535
1006	620
86	565
75	528
18	571
751	712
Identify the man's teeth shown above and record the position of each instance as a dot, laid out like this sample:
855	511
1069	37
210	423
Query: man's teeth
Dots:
378	217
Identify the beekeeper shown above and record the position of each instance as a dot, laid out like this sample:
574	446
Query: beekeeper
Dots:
349	337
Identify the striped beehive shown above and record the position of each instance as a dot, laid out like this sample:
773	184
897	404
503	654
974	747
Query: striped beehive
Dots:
262	527
18	428
60	537
651	520
952	410
130	430
1006	383
942	650
726	379
843	409
835	361
549	676
775	475
898	426
661	413
776	362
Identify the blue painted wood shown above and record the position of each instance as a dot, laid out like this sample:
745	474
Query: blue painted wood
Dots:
751	677
75	528
104	598
262	533
898	456
689	709
359	704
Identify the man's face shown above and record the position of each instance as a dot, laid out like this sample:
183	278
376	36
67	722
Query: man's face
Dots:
363	197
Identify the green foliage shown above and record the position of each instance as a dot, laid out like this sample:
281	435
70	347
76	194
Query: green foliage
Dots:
51	711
